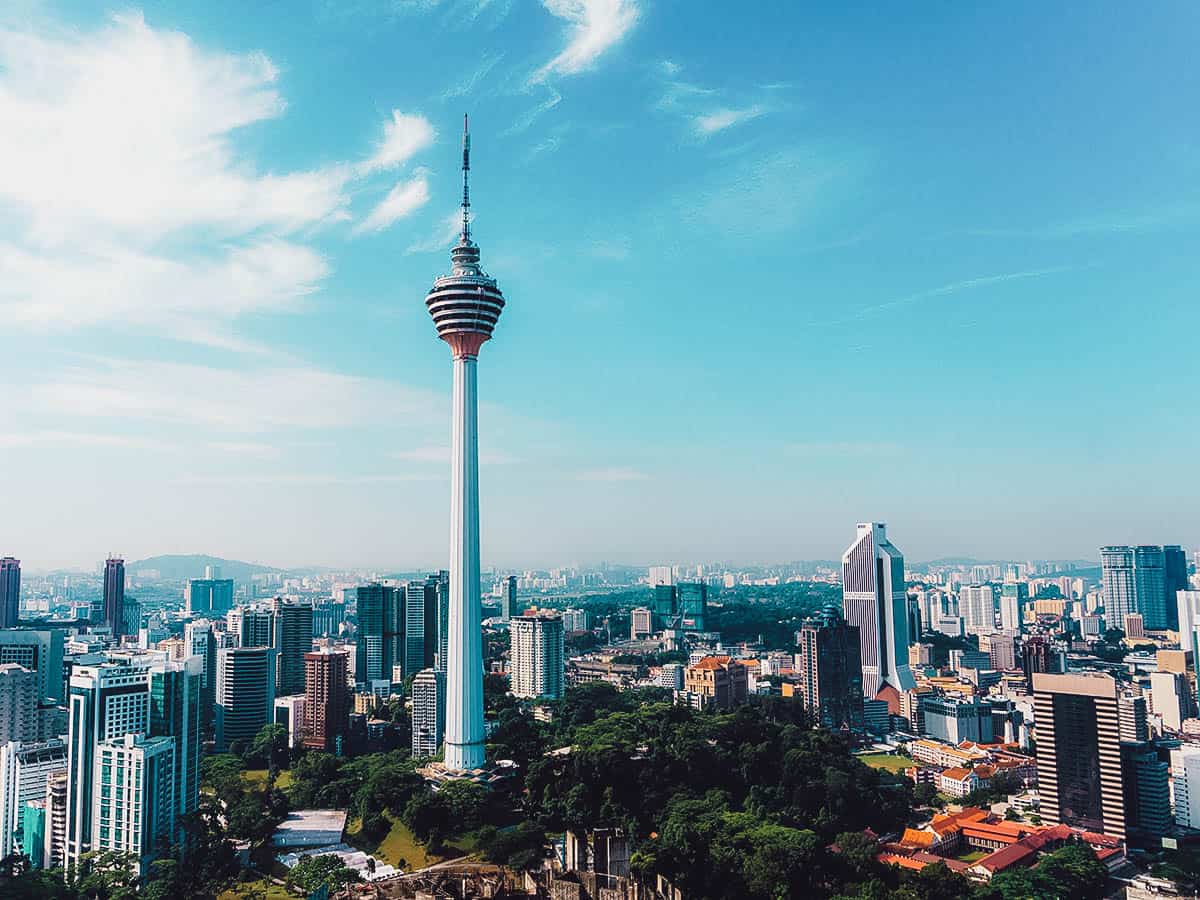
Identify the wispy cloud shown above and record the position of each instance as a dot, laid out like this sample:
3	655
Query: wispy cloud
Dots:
720	119
946	290
594	27
268	397
616	473
443	235
842	448
123	194
523	122
1098	225
39	438
402	200
307	478
466	86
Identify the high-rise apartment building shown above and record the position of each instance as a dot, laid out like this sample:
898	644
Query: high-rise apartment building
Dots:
830	670
245	694
18	704
977	602
379	641
429	712
41	651
693	605
537	655
508	598
25	768
209	596
293	639
874	601
326	699
107	702
114	595
10	592
1001	650
1185	776
657	575
576	620
1013	597
1079	752
54	852
134	797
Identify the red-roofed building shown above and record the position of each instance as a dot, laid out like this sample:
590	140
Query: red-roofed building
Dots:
717	681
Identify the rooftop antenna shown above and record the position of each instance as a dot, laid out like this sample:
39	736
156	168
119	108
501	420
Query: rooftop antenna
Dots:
466	168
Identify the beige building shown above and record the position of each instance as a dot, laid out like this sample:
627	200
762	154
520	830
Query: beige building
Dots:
718	680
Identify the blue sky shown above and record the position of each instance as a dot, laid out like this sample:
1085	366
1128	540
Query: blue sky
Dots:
768	275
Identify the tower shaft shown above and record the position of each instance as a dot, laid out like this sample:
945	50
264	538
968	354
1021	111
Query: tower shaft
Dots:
464	745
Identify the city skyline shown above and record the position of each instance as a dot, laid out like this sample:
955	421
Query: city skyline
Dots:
213	281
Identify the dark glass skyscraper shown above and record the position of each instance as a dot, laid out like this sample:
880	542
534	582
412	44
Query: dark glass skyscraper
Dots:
1175	579
114	595
293	638
10	592
830	669
379	642
693	605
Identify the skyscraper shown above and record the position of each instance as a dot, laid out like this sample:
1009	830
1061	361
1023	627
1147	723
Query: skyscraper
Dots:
537	655
245	693
429	712
465	306
420	625
24	770
1079	752
107	702
326	699
693	605
176	706
665	606
40	650
209	595
978	605
18	704
1134	582
1175	579
379	641
1013	597
134	798
114	595
199	641
293	638
830	668
874	600
10	592
508	601
253	625
443	622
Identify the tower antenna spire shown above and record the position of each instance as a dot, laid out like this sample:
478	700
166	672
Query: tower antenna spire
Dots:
466	169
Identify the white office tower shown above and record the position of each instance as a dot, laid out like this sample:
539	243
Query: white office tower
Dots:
107	702
874	600
134	796
1185	780
671	676
24	771
1188	605
978	605
465	306
657	575
18	704
429	712
1169	698
537	656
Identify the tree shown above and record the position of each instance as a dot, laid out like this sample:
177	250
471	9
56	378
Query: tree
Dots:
108	875
314	872
269	748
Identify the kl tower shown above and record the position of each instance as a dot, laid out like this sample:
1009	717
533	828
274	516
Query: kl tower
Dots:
465	306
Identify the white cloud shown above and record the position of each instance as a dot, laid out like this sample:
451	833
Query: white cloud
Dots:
595	26
615	473
720	119
24	438
239	401
402	200
123	194
443	236
403	137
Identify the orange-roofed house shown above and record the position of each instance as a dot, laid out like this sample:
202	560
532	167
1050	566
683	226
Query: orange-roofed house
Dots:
717	681
957	782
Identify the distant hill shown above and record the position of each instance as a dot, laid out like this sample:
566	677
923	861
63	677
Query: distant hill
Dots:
183	567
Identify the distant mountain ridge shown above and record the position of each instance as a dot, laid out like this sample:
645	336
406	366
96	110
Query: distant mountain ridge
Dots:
180	567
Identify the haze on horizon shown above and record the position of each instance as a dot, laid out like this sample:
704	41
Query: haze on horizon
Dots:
767	276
